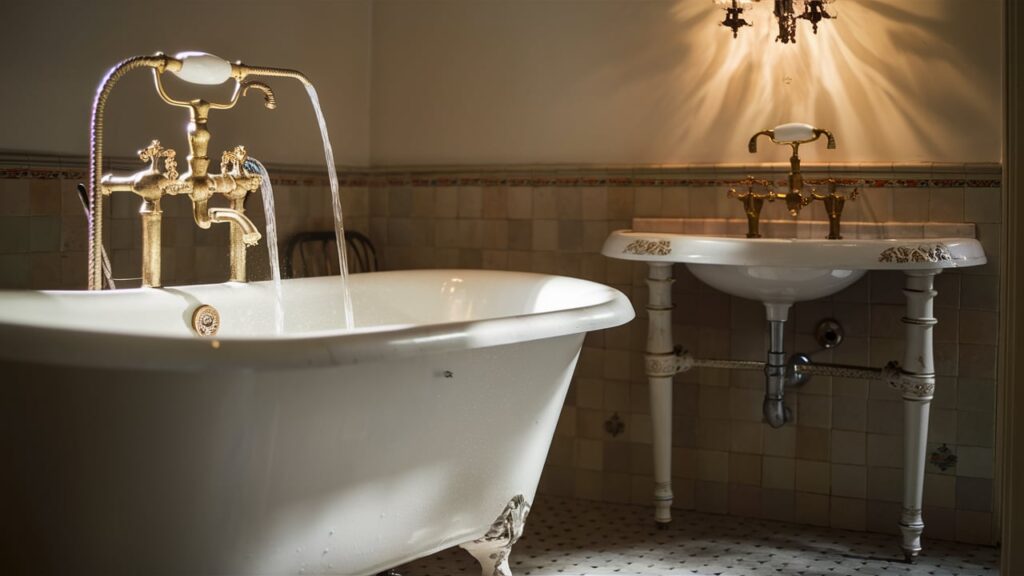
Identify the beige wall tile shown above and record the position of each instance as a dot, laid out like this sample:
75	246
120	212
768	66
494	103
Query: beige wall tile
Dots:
883	517
812	509
849	447
778	505
780	441
712	466
977	361
815	411
712	497
911	205
975	462
849	481
983	205
942	426
812	443
714	434
975	428
974	527
675	203
620	203
495	203
885	484
812	476
745	469
747	437
885	416
979	292
617	488
647	202
946	205
520	202
850	413
847	513
976	394
745	500
778	473
974	494
545	235
885	450
940	490
589	454
941	523
470	202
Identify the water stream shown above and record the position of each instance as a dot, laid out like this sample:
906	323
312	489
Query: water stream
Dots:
267	192
339	225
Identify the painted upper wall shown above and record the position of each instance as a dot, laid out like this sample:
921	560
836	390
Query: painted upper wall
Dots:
635	81
56	53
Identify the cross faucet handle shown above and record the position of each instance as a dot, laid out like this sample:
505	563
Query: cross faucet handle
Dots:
235	160
834	203
154	152
753	202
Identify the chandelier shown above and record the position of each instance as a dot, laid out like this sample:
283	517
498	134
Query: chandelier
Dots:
785	12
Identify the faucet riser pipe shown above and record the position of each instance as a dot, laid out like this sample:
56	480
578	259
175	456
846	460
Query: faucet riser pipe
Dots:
152	218
237	249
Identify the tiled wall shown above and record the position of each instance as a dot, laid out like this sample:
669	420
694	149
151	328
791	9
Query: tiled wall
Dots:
839	464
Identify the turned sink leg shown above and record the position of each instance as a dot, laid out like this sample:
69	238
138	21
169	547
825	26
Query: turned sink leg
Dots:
660	366
918	388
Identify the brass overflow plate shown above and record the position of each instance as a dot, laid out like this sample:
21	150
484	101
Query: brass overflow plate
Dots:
206	320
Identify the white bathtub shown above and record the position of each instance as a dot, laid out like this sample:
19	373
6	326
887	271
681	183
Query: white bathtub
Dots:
131	446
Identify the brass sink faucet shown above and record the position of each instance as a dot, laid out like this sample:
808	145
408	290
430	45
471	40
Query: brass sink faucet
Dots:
795	134
234	181
753	202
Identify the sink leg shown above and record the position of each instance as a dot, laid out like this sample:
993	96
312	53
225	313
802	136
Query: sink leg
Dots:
918	389
660	367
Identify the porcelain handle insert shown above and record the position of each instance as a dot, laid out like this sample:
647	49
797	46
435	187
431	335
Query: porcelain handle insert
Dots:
202	68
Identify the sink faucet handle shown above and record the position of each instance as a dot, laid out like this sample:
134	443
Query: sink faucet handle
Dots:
753	202
834	203
154	152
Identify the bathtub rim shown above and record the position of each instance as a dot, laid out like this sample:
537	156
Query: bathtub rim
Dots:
31	344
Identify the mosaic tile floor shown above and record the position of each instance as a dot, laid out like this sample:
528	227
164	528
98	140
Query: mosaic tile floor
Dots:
575	538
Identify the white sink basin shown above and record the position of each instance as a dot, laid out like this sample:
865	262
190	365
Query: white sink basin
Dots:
783	271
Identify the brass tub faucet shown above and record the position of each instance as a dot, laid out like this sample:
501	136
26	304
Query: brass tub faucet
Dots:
234	181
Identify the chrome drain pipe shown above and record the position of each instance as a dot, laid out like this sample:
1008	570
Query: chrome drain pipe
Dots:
774	408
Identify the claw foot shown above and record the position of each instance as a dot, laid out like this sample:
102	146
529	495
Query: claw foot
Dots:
492	550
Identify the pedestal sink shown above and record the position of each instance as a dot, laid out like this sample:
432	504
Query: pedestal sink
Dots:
781	271
797	264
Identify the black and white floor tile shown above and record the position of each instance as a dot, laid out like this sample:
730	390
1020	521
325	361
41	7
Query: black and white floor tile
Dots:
576	538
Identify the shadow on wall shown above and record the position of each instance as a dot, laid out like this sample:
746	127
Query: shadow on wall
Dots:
885	77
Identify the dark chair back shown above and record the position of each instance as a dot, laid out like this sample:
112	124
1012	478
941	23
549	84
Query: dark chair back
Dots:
316	254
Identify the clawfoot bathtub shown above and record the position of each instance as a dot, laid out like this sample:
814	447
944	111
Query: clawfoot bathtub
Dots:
132	446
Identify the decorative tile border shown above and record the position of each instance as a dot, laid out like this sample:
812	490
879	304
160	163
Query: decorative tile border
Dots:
852	175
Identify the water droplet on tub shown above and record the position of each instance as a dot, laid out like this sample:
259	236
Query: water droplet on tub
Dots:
326	550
